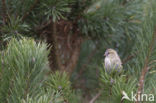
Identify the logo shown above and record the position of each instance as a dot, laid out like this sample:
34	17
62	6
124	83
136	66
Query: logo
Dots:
141	97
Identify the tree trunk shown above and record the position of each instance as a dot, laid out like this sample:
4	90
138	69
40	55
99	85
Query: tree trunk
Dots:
65	48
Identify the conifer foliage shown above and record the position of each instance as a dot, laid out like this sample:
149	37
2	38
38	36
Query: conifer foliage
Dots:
51	50
24	67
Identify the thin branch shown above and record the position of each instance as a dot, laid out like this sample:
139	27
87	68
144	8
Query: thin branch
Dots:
145	68
129	58
43	25
95	97
154	61
31	8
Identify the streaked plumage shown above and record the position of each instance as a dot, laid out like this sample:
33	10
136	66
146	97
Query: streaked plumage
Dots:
112	61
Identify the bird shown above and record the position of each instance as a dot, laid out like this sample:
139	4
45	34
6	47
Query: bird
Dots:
112	61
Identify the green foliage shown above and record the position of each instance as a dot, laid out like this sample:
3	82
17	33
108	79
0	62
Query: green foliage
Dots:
145	58
146	46
23	69
113	18
45	98
144	42
107	24
125	25
23	66
55	9
18	7
113	84
60	82
112	25
13	29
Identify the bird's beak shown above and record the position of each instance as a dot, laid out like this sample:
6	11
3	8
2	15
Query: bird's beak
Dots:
105	54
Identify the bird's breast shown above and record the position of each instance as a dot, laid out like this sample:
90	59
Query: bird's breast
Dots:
112	64
107	62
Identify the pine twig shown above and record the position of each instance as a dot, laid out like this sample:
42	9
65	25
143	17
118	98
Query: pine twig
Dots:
129	57
145	68
95	97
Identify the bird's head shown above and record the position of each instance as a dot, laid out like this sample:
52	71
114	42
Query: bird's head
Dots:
110	52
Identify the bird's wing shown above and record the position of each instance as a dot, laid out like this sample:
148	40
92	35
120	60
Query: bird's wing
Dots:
116	63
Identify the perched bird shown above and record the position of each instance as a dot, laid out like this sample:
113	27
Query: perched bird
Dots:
112	61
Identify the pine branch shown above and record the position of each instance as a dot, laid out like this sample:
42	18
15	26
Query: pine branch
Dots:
31	8
145	68
95	97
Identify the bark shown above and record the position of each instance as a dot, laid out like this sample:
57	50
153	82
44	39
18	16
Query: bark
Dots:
65	49
74	57
55	60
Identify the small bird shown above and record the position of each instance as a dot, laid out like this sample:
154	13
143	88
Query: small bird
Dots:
112	61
